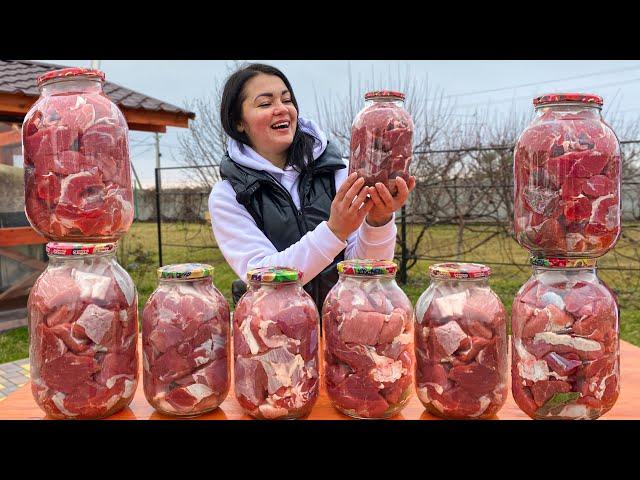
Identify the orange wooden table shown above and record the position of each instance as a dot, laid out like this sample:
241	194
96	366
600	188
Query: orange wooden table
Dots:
21	405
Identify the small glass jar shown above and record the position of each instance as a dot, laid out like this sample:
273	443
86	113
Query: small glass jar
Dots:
83	332
461	343
567	179
565	342
185	342
275	341
77	173
367	322
381	140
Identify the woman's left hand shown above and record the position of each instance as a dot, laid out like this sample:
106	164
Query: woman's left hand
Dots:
384	204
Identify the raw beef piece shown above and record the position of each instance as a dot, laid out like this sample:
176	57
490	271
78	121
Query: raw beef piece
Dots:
368	332
275	330
461	351
83	347
564	347
381	144
578	191
185	338
77	176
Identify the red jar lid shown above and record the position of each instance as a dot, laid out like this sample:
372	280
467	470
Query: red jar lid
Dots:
459	270
383	93
76	249
562	262
567	98
70	72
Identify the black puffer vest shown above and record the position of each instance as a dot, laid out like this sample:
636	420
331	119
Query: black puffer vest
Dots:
272	207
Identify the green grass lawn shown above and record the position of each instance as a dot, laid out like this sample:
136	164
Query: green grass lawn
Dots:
138	253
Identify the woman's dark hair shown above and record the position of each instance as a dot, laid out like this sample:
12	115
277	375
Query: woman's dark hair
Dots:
231	113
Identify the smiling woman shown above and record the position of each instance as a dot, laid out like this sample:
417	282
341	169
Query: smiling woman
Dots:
286	198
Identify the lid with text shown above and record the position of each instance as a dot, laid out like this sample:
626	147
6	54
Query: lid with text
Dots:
562	262
69	249
274	274
454	270
367	267
184	271
588	98
70	72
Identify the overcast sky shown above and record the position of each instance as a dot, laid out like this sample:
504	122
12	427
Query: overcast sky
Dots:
473	84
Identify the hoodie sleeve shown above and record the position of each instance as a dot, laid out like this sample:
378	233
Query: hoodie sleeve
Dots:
245	246
369	242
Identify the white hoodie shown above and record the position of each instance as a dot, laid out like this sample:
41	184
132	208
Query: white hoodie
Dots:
245	246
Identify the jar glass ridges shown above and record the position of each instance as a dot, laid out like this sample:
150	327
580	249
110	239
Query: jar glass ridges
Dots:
76	160
565	342
461	343
381	139
567	179
367	322
275	335
186	342
83	330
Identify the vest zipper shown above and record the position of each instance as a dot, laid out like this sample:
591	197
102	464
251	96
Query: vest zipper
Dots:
292	203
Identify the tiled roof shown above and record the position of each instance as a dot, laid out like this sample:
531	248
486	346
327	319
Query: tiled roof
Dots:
19	76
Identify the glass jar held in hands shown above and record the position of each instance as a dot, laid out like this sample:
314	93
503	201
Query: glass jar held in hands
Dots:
354	202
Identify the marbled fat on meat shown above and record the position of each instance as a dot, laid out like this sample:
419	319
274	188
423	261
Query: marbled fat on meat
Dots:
83	339
461	351
77	176
567	179
276	352
565	359
185	337
368	356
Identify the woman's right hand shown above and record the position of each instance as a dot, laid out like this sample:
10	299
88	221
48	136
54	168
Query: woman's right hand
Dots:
349	207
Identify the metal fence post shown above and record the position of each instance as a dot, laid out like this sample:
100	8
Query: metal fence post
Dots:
403	245
158	216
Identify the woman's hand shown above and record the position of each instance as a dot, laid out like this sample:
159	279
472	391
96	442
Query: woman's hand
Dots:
347	213
384	204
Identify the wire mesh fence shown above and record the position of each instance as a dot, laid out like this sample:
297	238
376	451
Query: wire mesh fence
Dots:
461	209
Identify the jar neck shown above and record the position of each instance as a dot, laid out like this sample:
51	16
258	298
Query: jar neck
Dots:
346	276
565	108
55	260
384	100
185	281
256	284
582	272
464	282
71	85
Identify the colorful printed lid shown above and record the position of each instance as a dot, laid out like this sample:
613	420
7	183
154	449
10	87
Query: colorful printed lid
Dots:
384	93
274	274
69	249
459	270
182	271
367	267
562	262
568	98
70	72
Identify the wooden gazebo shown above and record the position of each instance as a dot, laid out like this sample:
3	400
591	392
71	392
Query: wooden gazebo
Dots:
18	91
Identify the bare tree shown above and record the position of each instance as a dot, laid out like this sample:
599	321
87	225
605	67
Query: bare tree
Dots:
205	143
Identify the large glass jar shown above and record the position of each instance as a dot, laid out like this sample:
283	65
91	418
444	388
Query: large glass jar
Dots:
461	343
83	332
185	342
367	322
76	160
567	179
381	139
565	342
275	342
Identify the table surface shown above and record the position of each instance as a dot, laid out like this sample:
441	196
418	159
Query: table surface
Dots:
20	405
